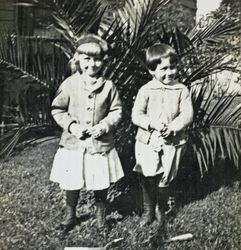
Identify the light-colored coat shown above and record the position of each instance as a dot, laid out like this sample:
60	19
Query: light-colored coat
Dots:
169	104
75	103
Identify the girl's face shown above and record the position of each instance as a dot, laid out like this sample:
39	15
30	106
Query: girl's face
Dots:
165	72
90	65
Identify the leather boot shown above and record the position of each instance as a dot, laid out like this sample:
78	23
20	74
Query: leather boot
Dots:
71	203
148	215
100	214
100	203
70	218
149	201
162	199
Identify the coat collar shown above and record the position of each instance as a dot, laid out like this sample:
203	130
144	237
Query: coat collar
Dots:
99	82
155	84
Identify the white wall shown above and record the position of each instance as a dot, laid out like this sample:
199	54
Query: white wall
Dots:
206	6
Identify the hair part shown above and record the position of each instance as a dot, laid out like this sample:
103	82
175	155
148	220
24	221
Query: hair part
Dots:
157	52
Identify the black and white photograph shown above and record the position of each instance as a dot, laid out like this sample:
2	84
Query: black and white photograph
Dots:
120	124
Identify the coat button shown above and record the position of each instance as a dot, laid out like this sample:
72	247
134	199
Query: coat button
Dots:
88	109
90	96
88	122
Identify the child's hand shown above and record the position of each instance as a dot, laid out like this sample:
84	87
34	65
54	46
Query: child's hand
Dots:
97	130
157	125
166	132
78	130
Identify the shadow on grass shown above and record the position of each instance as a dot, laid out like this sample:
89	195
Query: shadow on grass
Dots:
129	200
190	186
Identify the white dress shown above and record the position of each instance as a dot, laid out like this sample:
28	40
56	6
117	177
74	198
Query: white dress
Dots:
75	169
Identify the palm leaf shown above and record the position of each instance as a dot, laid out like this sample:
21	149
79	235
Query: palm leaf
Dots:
178	40
141	17
216	31
207	68
12	142
214	133
23	136
130	33
220	141
24	57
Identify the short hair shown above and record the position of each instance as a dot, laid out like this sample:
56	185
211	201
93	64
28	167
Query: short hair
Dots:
155	53
91	45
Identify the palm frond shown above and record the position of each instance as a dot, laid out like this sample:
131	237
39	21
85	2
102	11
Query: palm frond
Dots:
216	115
130	31
207	68
220	142
178	40
76	17
26	56
141	16
214	132
31	60
215	32
23	136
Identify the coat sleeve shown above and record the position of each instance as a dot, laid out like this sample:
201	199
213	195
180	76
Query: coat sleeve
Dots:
139	111
59	107
115	110
185	116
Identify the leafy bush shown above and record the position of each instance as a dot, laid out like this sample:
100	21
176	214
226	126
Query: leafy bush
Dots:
130	30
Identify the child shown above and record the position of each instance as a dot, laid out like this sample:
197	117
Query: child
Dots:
88	108
162	110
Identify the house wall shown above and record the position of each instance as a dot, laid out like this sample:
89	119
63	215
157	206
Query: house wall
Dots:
7	15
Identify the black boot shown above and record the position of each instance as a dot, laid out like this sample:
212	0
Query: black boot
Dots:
71	202
149	201
70	218
100	203
162	199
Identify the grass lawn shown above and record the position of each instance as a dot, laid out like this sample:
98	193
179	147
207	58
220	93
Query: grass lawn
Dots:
32	208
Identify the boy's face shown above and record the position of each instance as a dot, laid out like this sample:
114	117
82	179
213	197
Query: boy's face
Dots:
90	65
165	72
